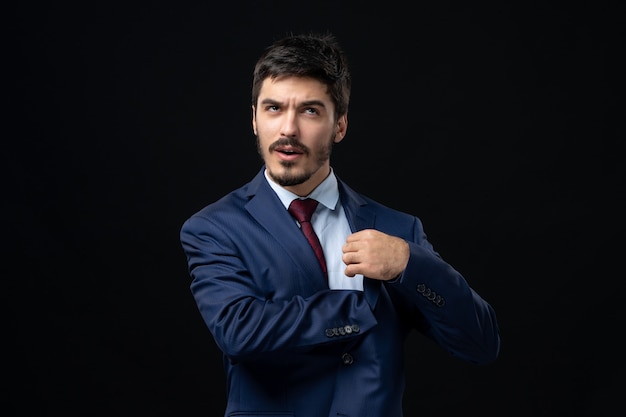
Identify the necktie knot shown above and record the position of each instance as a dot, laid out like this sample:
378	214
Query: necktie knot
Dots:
302	209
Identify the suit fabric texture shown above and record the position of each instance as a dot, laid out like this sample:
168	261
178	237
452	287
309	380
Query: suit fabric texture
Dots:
292	346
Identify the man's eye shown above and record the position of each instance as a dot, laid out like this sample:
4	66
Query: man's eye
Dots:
311	110
272	108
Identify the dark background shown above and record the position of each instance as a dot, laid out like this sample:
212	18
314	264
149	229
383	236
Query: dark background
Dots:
501	126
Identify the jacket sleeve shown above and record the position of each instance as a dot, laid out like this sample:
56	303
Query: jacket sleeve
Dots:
246	315
451	313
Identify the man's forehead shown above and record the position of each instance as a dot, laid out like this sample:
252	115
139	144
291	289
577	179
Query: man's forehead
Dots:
303	87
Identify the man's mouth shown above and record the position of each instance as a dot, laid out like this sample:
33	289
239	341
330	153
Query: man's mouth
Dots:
288	150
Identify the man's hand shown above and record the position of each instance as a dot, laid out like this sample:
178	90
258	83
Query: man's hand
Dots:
375	255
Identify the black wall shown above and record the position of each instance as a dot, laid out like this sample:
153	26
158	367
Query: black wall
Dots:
502	127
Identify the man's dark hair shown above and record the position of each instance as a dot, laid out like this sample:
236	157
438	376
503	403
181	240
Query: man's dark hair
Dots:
314	55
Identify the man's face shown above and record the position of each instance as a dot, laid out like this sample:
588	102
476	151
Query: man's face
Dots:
295	128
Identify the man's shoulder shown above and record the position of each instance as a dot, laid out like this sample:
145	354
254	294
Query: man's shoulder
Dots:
233	200
365	201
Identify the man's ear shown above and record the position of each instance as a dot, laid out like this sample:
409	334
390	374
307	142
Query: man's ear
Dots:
254	120
342	127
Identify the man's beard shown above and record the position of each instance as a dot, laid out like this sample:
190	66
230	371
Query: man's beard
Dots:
288	177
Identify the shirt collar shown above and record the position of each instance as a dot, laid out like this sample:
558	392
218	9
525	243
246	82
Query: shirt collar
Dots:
327	193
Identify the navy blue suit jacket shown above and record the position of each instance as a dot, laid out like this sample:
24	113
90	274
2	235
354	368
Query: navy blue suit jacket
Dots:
294	347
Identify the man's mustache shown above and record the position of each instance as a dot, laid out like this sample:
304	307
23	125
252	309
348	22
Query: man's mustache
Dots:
294	143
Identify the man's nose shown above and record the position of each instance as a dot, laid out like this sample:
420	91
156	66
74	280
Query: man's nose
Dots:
289	125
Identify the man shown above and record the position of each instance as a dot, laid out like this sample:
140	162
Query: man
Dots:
308	337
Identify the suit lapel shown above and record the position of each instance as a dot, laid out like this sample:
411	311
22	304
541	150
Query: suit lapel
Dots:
266	208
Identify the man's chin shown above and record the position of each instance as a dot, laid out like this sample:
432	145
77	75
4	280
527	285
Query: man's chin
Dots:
287	176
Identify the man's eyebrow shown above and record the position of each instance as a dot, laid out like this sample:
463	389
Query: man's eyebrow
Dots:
313	103
269	101
318	103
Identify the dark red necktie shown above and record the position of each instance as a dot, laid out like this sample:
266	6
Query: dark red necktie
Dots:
302	210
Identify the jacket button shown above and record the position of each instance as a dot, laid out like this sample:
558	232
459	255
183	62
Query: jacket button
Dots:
347	359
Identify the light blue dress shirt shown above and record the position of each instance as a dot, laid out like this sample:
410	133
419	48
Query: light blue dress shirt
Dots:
331	226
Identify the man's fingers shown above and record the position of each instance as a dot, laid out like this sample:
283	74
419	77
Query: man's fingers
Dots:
350	258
